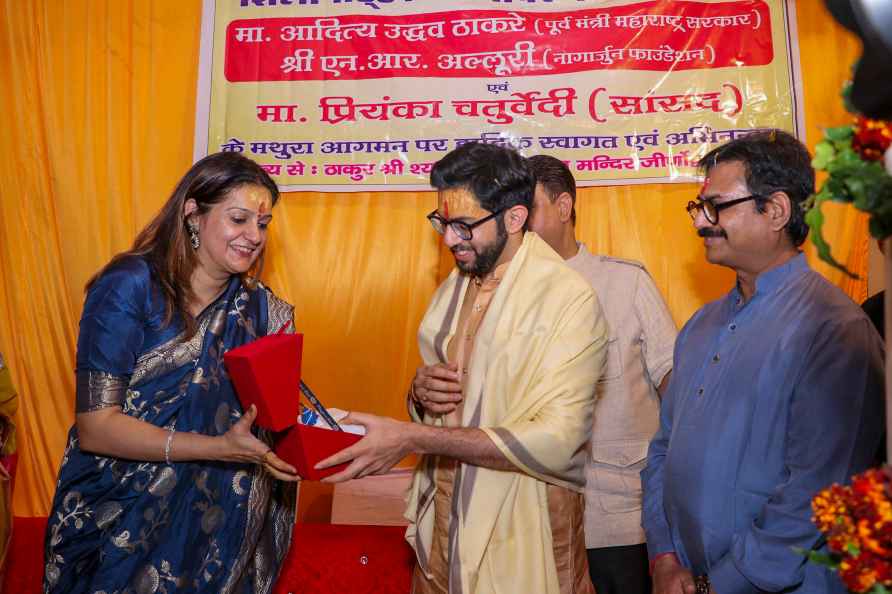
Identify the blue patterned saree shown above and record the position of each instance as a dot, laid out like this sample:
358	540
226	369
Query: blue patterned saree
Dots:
122	526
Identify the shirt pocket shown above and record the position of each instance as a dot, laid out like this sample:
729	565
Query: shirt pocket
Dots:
615	474
613	365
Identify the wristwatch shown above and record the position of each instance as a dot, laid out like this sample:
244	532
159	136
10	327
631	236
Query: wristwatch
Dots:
701	583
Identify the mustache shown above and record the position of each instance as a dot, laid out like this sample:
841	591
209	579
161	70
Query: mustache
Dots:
711	232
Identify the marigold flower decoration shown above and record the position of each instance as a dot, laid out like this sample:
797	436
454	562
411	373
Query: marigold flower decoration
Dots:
858	160
857	523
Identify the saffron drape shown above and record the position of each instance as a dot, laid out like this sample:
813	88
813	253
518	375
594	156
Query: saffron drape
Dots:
98	102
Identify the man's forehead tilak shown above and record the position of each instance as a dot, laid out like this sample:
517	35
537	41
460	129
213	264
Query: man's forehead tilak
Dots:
724	180
459	202
704	187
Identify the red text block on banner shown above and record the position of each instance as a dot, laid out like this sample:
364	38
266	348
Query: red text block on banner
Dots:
656	36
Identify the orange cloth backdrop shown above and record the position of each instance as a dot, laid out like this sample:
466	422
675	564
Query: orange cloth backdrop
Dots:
98	103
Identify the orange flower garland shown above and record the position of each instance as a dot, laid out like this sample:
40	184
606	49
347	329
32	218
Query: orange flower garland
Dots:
871	138
857	521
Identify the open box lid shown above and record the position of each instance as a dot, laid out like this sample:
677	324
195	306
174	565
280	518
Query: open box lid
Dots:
266	373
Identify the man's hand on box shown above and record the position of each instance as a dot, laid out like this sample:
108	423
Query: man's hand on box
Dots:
240	445
386	442
437	388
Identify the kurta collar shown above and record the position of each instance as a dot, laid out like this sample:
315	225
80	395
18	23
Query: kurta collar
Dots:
771	280
582	251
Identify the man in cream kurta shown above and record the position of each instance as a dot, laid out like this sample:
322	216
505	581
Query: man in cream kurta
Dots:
513	343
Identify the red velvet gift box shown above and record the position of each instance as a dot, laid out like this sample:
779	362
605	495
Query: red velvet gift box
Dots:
335	559
266	373
303	446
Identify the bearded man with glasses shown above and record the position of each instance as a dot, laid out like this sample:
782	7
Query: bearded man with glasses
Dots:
513	344
776	391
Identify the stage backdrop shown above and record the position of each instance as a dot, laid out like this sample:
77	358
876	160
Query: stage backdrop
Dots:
98	102
350	96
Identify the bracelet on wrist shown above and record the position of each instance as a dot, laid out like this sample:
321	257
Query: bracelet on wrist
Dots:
168	445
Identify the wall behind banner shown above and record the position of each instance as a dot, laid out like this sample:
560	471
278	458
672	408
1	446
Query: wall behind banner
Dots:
98	107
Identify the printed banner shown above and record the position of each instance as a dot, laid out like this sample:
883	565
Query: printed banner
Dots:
360	95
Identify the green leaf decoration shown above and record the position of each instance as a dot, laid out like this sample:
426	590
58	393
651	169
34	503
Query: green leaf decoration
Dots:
818	558
840	134
814	218
865	184
857	190
823	559
824	154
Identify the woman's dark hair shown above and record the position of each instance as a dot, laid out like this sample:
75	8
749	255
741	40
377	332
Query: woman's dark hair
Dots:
164	242
497	176
774	161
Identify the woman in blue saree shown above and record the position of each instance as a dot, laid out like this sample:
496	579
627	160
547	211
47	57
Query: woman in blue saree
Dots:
163	485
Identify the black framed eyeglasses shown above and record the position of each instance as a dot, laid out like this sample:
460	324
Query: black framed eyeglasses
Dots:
464	231
711	210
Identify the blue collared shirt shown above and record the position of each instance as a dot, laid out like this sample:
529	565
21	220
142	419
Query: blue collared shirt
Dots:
770	401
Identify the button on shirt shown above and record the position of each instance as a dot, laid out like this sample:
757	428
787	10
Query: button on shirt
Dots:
770	401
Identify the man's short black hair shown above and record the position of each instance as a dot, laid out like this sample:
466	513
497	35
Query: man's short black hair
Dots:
555	177
774	161
497	176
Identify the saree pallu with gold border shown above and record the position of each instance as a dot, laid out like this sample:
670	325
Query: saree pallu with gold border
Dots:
123	526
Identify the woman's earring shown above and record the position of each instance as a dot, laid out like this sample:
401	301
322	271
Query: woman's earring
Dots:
193	234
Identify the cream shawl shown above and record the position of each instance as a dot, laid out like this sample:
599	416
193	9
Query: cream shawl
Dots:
531	387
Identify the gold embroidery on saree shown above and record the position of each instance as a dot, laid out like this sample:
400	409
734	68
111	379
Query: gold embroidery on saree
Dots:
170	355
258	500
279	313
97	390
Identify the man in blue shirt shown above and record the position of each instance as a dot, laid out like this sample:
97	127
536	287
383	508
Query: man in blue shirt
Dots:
776	391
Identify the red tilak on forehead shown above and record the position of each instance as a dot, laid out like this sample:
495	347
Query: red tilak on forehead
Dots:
704	187
446	208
